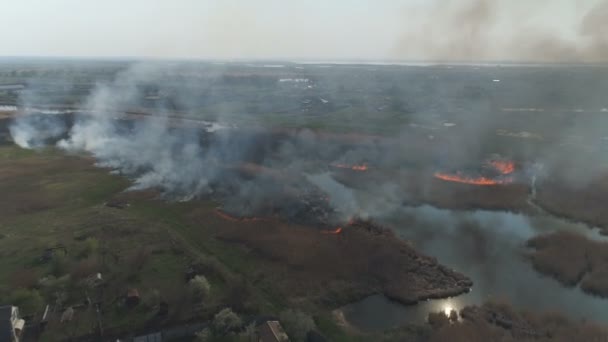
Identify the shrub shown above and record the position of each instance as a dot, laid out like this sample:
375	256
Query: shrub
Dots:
59	265
91	246
297	324
29	301
438	319
226	321
199	287
203	335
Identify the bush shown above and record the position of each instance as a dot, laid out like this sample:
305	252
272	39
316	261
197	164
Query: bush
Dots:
28	301
59	265
199	287
91	246
151	299
226	321
438	320
203	335
297	324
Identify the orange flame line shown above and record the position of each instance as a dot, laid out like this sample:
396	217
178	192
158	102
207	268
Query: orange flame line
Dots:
360	168
504	167
333	232
473	181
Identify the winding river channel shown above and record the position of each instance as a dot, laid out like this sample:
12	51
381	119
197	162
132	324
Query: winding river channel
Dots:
489	247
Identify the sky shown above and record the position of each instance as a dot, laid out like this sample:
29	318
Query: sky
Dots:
453	30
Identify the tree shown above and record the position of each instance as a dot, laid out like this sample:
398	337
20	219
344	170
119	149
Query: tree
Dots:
226	321
297	324
29	301
203	335
199	287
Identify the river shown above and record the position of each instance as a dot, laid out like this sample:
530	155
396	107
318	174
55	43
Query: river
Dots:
489	247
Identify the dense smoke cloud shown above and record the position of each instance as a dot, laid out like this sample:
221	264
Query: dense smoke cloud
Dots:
488	30
466	30
187	159
31	131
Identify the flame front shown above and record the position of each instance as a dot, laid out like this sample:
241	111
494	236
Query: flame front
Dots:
504	167
470	180
333	232
360	167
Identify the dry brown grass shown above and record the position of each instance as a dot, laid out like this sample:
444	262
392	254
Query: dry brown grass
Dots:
500	322
586	203
572	259
303	262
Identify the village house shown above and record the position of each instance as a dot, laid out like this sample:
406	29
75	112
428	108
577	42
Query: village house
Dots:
11	326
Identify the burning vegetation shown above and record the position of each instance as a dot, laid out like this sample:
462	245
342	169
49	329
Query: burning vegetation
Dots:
332	232
459	178
500	167
279	200
357	167
504	167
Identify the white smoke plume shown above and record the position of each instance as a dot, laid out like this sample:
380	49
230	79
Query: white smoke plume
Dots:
34	130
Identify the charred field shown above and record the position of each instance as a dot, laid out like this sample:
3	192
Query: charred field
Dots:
290	194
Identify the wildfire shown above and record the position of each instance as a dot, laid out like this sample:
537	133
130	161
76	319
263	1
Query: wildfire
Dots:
504	167
332	232
469	180
359	168
231	218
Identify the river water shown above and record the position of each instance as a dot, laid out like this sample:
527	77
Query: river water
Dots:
489	247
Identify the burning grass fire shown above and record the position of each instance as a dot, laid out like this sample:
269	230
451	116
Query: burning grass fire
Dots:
501	166
332	232
504	167
469	180
359	167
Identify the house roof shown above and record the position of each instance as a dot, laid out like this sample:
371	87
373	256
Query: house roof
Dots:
272	331
6	326
156	337
6	331
6	311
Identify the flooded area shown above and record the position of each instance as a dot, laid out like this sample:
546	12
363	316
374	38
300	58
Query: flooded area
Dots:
489	247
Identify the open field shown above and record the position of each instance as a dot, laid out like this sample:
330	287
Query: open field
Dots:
50	200
258	179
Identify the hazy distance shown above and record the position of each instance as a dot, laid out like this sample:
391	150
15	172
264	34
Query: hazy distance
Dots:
448	30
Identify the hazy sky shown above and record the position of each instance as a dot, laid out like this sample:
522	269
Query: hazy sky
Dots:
560	30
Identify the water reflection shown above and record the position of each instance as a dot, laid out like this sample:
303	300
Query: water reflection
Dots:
377	313
489	247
